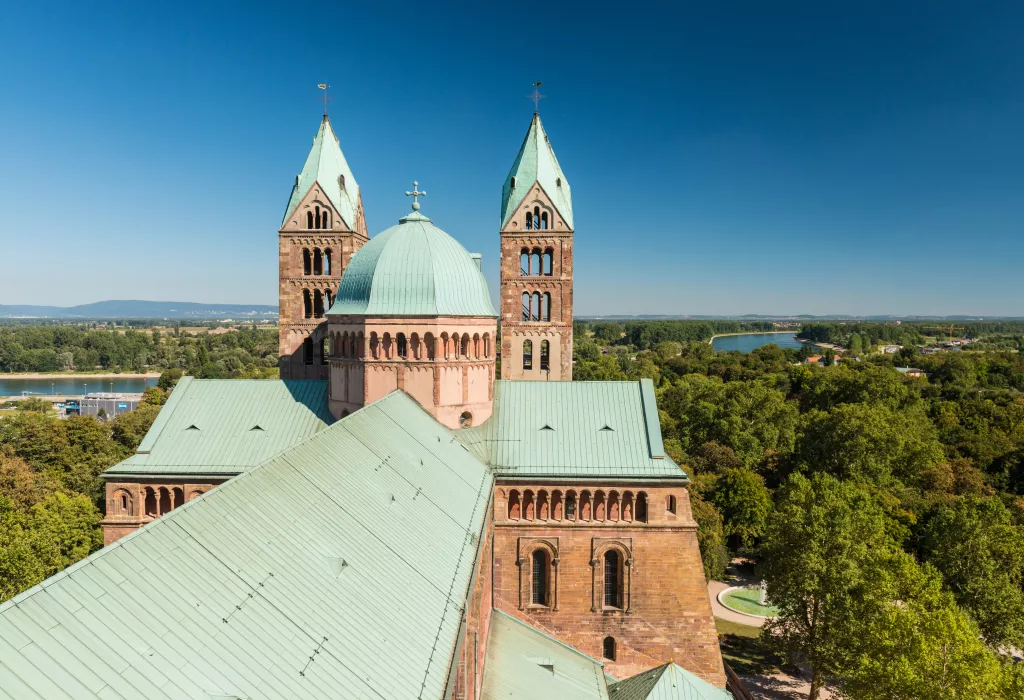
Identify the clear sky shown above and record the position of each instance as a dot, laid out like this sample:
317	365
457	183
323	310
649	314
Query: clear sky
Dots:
745	157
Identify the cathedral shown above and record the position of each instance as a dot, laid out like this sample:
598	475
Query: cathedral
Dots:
392	518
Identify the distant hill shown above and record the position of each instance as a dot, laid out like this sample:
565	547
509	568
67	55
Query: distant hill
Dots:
141	309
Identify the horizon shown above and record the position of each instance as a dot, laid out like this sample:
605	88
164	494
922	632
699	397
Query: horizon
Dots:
754	158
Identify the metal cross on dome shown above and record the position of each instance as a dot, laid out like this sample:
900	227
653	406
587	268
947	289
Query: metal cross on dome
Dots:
414	194
536	97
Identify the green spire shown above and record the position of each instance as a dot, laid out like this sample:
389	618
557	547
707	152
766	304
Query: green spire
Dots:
536	162
326	164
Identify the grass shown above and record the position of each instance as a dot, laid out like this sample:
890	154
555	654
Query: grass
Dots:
746	600
743	649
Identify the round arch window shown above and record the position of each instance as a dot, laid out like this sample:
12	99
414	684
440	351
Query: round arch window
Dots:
466	419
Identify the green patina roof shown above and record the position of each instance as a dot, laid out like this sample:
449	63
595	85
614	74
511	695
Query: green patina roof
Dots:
668	682
573	429
413	269
536	162
225	426
296	579
523	662
325	164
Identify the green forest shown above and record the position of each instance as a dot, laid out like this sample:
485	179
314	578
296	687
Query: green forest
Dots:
249	352
886	513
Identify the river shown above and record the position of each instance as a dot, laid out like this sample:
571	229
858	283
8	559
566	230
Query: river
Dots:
751	341
73	386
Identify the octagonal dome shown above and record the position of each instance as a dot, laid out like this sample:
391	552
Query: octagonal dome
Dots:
413	269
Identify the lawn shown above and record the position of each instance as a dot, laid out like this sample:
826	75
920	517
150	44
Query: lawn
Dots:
743	650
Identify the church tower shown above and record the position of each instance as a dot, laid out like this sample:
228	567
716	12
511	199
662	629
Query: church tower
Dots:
323	227
536	264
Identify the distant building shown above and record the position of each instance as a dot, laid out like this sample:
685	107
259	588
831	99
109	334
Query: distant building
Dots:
111	404
911	371
889	349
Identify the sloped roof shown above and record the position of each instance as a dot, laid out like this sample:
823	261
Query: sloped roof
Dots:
668	682
413	269
536	162
523	662
326	164
298	578
573	429
225	426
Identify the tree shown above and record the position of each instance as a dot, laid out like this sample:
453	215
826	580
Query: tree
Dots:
820	556
868	443
744	502
710	538
980	552
668	349
856	346
168	378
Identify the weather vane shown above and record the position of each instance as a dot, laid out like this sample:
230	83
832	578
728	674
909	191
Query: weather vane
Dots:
536	97
324	86
414	194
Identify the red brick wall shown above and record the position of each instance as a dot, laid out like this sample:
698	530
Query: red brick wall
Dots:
668	615
119	521
478	622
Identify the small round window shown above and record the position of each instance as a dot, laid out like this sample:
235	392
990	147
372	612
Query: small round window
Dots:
466	419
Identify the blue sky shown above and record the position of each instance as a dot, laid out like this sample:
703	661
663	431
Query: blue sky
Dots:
724	158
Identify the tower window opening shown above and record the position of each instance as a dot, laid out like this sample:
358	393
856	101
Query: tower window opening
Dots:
466	419
670	504
324	352
539	589
544	221
535	264
545	362
327	261
545	307
309	219
536	217
526	306
609	648
529	221
527	354
329	297
325	219
512	183
307	351
307	304
318	304
307	264
570	506
318	262
524	262
641	507
535	307
316	220
549	256
403	346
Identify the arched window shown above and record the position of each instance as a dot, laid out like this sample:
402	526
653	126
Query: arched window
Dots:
151	502
327	261
512	183
428	340
307	351
329	297
307	304
387	347
324	353
179	497
309	219
325	219
513	505
529	221
608	648
535	307
536	217
528	505
612	579
318	304
374	346
415	346
543	506
586	509
544	221
539	587
545	356
307	264
466	419
527	354
403	346
316	220
641	507
487	344
360	349
570	506
613	506
670	504
165	500
318	262
444	346
549	257
545	306
464	350
535	264
526	306
524	262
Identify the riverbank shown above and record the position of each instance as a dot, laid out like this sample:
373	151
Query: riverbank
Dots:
76	375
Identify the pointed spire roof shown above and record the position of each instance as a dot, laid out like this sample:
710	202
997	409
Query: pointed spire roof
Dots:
536	162
326	164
